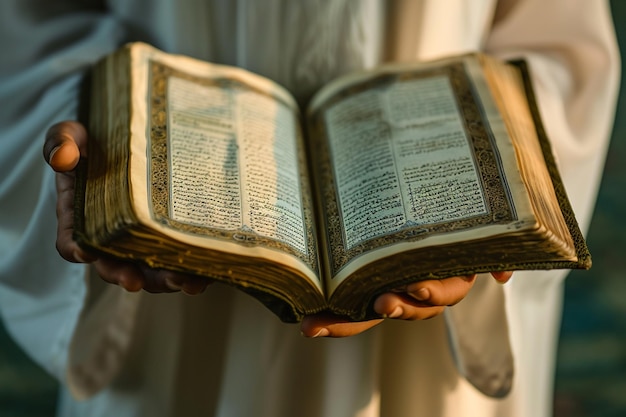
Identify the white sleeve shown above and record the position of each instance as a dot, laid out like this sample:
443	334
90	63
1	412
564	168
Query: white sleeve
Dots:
44	50
572	52
574	59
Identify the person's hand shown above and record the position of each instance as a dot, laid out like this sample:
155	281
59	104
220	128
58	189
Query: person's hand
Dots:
418	301
65	144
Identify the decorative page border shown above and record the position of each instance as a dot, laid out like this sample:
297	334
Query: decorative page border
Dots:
159	173
499	202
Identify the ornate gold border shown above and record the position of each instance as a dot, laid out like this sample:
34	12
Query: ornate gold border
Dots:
159	169
499	201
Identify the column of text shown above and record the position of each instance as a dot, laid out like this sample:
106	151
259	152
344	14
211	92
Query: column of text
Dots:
204	185
362	155
433	154
270	166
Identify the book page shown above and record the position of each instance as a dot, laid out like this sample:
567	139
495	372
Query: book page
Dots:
204	183
508	90
225	162
272	195
406	161
414	162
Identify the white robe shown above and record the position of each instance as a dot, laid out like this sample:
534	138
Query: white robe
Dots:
222	353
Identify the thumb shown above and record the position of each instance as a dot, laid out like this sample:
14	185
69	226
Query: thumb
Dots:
65	143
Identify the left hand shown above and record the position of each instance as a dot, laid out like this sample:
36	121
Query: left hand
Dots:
418	301
65	144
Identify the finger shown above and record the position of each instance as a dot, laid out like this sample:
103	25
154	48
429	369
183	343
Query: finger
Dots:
65	143
503	276
328	325
403	307
65	244
195	285
441	292
125	274
159	280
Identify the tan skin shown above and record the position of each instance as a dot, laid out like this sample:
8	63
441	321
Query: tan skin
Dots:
66	142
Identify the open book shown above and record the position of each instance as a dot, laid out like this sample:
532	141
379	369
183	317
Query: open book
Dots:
403	173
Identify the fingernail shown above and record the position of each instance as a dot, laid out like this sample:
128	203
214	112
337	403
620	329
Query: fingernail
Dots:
52	152
397	312
323	332
79	257
131	285
421	295
64	158
84	258
172	285
190	290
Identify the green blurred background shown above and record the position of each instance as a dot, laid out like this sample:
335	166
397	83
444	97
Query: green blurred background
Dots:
591	366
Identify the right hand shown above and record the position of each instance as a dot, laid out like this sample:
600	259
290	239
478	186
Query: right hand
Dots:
420	300
65	144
